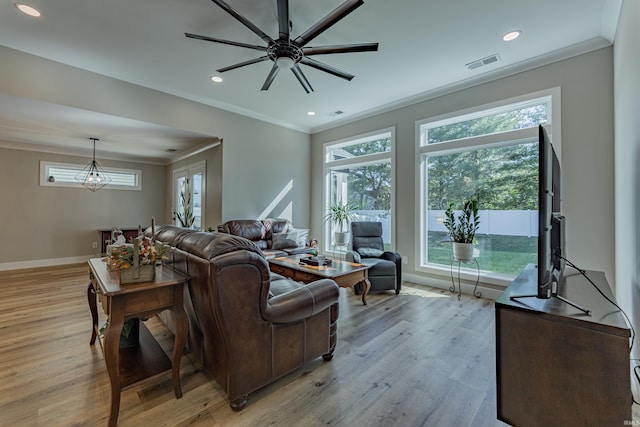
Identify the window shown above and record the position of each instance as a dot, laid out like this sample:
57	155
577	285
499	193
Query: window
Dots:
188	195
490	154
64	175
359	171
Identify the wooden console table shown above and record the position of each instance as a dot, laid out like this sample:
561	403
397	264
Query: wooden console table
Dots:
128	367
555	364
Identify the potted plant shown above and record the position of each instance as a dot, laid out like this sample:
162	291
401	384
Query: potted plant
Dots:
462	230
130	335
340	215
185	217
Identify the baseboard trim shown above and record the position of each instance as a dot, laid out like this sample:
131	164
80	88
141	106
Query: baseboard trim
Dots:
20	265
488	291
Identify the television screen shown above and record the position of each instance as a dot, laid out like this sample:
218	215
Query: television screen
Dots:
548	205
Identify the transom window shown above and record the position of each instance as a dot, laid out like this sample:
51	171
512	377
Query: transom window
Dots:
64	175
491	155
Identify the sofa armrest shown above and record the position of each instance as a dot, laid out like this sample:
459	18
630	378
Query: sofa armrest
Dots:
303	302
352	256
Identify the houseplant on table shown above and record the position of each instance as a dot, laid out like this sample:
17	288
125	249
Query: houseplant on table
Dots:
462	229
340	215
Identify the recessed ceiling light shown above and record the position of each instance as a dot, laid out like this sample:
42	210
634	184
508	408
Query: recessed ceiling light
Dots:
28	10
511	35
311	113
216	79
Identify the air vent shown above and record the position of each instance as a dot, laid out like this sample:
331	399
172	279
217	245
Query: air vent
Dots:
484	61
171	150
336	113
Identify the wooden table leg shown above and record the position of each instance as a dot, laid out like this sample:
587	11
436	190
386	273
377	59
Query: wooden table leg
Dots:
180	338
112	355
91	297
366	285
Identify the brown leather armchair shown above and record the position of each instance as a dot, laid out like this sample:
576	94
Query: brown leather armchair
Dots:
248	326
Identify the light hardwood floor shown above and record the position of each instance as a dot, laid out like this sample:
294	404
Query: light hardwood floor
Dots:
421	358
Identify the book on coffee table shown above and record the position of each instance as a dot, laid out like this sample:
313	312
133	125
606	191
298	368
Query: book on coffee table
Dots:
313	260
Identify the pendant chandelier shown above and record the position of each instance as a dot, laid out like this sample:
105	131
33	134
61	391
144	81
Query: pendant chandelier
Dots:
93	176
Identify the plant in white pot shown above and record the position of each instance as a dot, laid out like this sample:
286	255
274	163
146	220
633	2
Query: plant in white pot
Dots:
340	215
462	230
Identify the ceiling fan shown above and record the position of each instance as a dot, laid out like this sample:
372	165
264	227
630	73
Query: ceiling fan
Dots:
285	52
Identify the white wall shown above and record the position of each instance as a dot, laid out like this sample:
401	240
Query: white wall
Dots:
586	83
627	161
60	224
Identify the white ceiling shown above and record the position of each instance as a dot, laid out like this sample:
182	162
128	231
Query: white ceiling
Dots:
424	46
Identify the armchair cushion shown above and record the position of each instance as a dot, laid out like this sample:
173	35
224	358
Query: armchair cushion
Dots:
353	256
370	252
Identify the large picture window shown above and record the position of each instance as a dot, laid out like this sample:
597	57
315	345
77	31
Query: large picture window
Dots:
490	155
359	172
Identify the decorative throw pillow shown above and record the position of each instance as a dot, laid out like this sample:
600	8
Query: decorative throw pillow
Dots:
370	252
303	237
285	240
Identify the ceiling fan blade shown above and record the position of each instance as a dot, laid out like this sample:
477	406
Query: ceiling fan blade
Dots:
244	21
301	78
242	64
345	48
326	68
283	19
271	77
337	14
231	42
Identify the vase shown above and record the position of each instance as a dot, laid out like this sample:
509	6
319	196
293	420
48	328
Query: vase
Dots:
341	238
133	338
463	251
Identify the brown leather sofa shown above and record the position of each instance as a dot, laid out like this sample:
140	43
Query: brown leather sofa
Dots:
260	232
247	326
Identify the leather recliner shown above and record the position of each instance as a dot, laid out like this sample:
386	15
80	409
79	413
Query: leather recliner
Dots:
367	247
248	326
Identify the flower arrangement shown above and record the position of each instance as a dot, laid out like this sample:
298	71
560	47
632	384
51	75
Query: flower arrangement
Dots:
148	254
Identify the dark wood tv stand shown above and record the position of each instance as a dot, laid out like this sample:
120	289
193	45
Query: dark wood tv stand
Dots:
554	364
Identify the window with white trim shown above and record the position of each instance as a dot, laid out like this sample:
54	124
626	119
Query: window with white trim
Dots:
489	154
53	174
360	171
189	191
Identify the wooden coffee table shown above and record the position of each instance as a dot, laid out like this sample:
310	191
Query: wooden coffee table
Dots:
345	274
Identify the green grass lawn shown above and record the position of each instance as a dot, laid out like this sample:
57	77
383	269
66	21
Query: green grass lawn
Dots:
499	254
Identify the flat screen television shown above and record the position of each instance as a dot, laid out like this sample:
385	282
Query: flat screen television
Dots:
551	224
551	236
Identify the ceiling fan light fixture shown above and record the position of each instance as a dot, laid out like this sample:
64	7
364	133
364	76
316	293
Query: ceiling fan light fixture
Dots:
284	62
